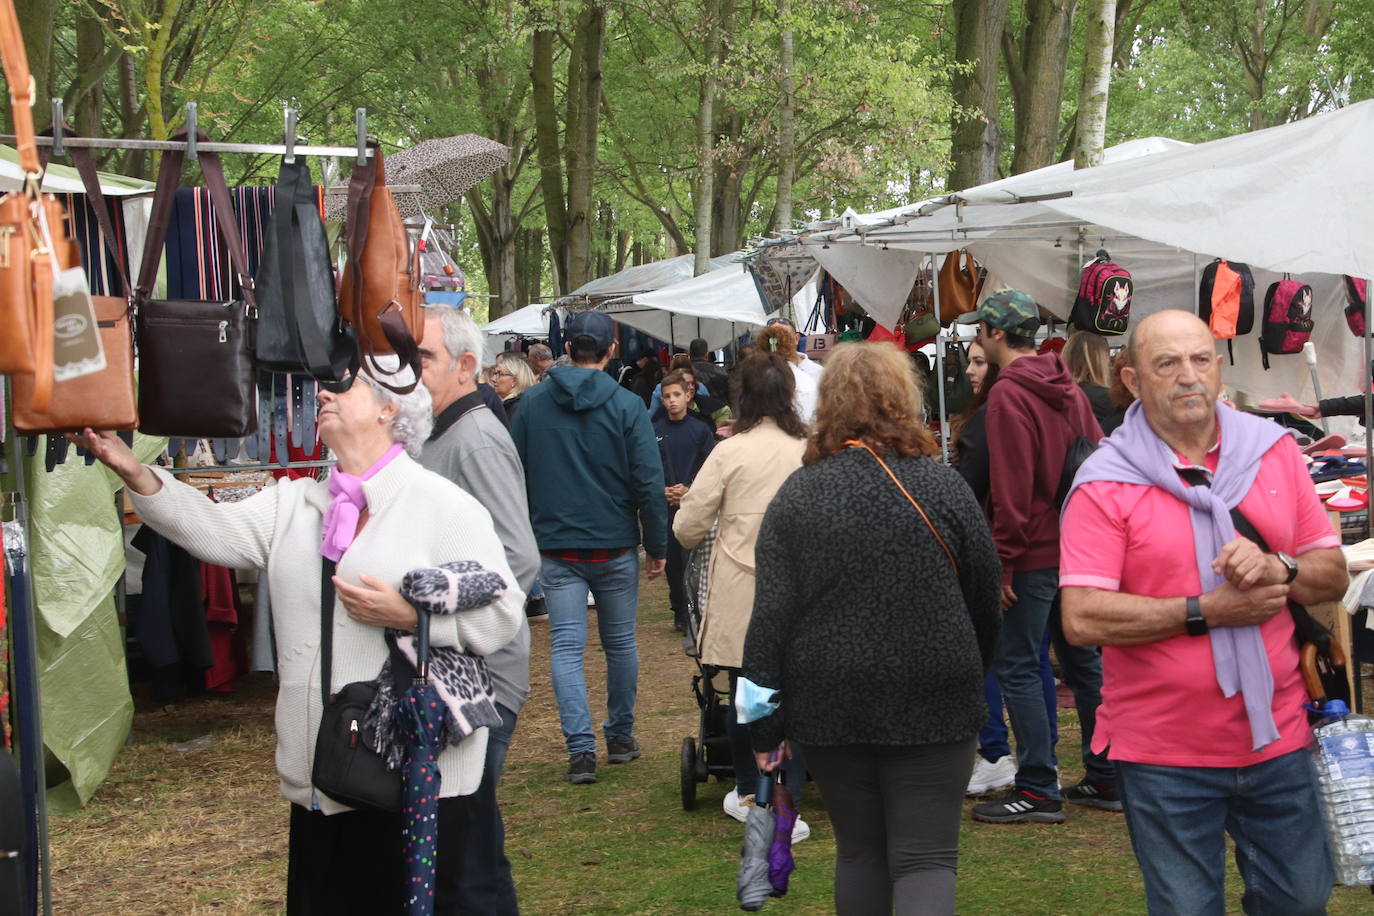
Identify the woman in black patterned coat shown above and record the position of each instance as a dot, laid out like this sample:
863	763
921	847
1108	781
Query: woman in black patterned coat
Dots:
876	645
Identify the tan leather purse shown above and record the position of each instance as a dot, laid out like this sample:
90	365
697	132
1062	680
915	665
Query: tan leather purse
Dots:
32	235
381	295
960	283
101	400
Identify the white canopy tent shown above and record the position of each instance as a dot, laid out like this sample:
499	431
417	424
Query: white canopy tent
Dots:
529	321
643	277
1290	198
717	306
62	179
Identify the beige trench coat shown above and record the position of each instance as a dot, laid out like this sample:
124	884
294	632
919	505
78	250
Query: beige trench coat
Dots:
735	486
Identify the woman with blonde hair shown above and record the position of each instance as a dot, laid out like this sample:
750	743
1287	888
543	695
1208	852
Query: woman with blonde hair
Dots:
1089	361
875	616
510	377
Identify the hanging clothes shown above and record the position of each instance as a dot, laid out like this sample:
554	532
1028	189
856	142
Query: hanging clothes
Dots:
102	270
197	261
222	616
168	620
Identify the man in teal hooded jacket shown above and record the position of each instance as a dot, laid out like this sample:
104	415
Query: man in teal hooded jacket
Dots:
594	479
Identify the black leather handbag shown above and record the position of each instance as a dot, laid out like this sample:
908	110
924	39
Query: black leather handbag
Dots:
195	358
299	329
347	766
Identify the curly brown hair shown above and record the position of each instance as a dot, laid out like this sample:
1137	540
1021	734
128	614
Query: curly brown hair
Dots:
869	392
786	341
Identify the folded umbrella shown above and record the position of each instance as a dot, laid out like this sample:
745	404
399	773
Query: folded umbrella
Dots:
420	718
753	887
780	861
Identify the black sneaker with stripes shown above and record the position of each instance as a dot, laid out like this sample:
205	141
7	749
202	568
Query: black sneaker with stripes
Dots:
1091	794
1020	806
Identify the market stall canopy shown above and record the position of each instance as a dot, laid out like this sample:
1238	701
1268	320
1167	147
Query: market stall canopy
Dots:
62	179
1290	198
529	321
642	278
716	306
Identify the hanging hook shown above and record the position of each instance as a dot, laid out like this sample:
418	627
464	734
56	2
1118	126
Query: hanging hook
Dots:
191	130
361	116
57	126
290	140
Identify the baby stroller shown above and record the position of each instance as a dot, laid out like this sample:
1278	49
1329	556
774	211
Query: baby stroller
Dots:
707	754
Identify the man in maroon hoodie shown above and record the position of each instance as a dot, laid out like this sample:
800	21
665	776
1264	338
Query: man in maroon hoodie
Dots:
1034	413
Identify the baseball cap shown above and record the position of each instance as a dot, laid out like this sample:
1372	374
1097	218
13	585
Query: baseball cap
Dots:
596	325
1007	310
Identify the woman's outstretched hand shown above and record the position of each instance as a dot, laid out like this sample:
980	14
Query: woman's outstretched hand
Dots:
111	451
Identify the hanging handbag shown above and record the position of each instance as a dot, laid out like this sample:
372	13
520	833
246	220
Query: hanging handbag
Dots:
100	400
958	386
380	296
348	767
299	328
196	376
960	282
33	244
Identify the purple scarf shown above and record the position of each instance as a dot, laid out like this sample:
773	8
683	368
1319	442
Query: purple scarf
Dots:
1135	454
341	521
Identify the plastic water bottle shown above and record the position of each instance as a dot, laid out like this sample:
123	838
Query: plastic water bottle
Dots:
1344	757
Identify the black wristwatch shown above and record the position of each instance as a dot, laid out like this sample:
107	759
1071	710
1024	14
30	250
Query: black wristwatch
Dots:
1195	623
1289	564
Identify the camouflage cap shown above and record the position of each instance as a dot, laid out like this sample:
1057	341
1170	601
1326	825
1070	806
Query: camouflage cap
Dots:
1007	310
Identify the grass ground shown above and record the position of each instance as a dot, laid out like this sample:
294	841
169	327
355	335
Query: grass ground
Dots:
198	830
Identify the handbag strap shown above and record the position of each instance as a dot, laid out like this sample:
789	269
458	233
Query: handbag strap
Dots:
168	177
949	555
327	567
21	86
90	179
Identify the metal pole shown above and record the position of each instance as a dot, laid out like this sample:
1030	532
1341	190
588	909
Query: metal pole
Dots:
940	365
1365	374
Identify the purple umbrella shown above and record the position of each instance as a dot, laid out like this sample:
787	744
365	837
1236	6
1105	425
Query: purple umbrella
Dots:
420	719
780	863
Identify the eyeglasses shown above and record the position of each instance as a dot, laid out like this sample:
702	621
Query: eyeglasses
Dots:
501	373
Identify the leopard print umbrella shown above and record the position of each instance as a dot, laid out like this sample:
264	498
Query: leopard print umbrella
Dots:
444	168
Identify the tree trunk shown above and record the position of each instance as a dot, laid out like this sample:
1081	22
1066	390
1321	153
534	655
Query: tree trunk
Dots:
1090	128
547	146
1037	79
36	25
787	121
93	62
622	249
706	144
977	135
154	60
581	141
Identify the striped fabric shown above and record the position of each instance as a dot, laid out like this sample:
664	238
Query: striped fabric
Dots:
101	269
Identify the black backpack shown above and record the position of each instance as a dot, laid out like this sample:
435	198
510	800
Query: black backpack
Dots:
1229	312
1103	305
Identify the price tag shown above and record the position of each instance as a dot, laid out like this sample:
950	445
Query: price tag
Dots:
76	337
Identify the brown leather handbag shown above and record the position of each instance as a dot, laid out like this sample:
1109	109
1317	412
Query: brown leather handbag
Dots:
960	283
101	400
32	235
381	295
195	358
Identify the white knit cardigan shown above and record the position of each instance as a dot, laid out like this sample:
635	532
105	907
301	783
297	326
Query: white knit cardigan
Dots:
415	518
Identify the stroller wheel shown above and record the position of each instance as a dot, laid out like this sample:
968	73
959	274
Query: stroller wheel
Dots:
688	774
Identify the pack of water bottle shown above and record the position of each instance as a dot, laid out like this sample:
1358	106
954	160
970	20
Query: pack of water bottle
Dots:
1344	757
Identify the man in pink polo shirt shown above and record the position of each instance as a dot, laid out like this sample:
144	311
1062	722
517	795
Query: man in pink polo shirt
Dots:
1202	701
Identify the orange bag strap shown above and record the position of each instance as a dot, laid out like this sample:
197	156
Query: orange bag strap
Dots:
21	87
855	443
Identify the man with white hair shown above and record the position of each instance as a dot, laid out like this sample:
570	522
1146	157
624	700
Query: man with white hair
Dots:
471	447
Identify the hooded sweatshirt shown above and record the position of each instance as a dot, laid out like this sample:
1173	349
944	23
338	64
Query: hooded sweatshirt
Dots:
1034	412
592	467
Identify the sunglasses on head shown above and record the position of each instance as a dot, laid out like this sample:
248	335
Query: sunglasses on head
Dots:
341	385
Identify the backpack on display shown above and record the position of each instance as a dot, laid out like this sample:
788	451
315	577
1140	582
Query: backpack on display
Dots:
1287	318
1226	300
1354	304
1103	305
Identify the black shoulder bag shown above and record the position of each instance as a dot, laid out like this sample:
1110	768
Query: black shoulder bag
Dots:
348	767
1323	662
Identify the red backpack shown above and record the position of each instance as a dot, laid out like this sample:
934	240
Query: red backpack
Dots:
1354	305
1287	318
1103	305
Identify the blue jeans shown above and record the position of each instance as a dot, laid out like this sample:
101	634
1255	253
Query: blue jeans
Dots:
615	586
1082	669
485	884
992	738
1018	669
1177	818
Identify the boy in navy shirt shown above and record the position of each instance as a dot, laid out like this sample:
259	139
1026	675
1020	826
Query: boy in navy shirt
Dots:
684	441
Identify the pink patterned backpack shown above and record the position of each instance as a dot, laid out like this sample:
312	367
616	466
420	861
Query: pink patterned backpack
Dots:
1287	318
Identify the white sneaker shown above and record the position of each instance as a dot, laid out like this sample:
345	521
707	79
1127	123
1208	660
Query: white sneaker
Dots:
988	777
800	831
737	807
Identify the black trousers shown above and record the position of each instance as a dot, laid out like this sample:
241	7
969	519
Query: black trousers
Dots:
350	864
676	571
896	812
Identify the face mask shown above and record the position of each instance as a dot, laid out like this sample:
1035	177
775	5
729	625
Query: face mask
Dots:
753	702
